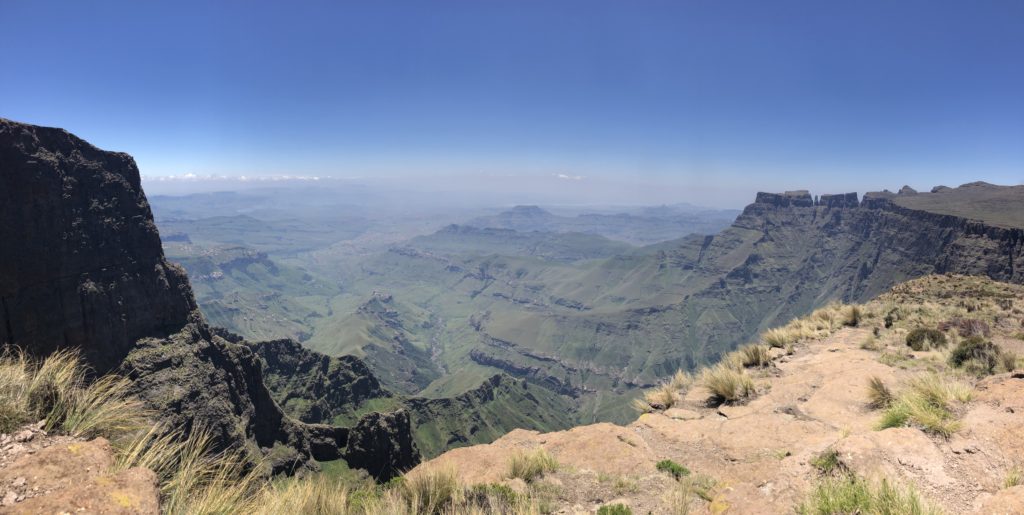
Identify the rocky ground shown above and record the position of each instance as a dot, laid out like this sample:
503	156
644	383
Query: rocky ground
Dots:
756	457
52	474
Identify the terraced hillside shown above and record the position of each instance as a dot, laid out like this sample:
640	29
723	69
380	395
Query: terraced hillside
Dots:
598	329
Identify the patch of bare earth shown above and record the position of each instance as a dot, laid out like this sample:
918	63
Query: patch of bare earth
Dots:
759	453
41	473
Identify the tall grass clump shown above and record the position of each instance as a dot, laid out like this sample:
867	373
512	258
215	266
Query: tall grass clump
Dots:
531	465
192	477
313	496
56	389
728	385
929	401
851	494
749	356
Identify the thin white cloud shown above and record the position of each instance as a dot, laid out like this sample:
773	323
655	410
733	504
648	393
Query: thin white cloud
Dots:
191	177
565	177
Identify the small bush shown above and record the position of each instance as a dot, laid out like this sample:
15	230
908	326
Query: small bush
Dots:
977	355
827	463
922	339
531	465
879	396
676	470
727	384
892	316
851	494
614	509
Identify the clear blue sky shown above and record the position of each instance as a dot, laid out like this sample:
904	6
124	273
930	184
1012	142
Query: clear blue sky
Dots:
735	95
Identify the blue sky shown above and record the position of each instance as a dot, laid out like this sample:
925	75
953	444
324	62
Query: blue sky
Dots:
720	97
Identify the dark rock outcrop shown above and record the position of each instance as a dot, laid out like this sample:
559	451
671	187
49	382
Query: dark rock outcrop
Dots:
376	444
82	266
313	387
81	263
839	201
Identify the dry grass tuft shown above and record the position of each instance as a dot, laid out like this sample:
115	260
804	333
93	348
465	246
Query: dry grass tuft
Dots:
929	402
531	465
55	389
727	384
879	396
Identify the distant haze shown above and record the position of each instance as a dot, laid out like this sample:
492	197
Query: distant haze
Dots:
592	101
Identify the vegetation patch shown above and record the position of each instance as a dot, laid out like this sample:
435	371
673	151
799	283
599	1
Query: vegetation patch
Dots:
879	396
56	389
828	463
614	509
851	494
531	465
928	402
1014	477
674	469
976	355
748	356
967	327
922	339
728	385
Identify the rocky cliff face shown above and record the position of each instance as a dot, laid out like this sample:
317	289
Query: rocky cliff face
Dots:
313	387
81	263
82	266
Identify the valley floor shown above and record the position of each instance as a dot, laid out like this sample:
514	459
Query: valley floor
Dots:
768	455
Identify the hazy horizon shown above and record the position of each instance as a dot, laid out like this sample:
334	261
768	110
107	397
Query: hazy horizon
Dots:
573	102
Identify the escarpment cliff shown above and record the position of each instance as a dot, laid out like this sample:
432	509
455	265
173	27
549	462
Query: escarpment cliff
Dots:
81	263
82	267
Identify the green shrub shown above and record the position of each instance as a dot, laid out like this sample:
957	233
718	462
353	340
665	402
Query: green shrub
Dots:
977	355
676	470
922	339
614	509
